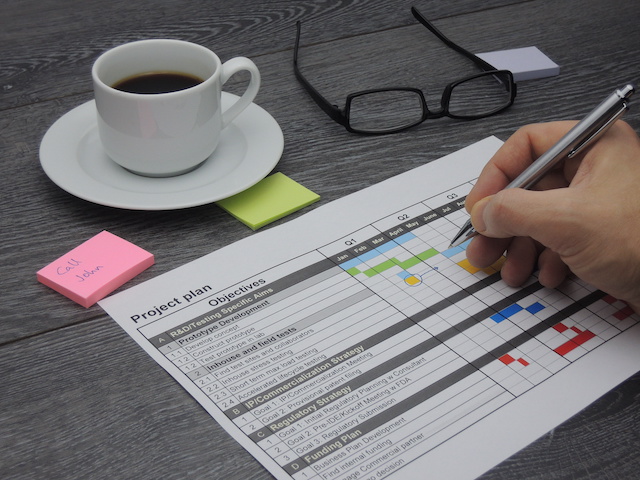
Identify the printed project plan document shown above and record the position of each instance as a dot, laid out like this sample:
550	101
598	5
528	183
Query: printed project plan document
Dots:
353	343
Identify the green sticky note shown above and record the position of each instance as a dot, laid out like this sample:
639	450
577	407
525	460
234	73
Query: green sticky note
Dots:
268	200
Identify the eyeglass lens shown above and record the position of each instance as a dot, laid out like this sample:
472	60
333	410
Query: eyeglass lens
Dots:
480	96
384	110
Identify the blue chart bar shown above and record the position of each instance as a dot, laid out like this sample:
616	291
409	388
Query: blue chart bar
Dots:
390	245
515	308
534	308
506	313
405	238
453	251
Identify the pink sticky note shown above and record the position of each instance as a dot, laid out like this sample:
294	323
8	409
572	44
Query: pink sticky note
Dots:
96	268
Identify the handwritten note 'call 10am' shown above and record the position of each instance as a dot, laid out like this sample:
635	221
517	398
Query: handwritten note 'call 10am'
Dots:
95	268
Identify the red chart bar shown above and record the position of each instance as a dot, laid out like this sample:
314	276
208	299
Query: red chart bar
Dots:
626	312
574	342
560	327
507	359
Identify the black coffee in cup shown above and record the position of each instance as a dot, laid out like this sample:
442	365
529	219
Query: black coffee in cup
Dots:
157	82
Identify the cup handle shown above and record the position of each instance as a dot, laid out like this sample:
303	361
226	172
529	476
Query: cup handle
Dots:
230	68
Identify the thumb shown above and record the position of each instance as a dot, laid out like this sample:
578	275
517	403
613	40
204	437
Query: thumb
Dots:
552	217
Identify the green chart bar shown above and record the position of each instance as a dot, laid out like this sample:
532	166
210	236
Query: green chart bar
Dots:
392	262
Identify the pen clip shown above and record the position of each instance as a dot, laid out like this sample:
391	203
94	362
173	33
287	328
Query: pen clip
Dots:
585	143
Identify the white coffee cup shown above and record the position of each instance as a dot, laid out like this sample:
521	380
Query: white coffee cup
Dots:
165	134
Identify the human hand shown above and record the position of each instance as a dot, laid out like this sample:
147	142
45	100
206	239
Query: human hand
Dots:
582	217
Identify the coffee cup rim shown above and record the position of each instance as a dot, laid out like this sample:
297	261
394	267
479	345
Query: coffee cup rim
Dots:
118	49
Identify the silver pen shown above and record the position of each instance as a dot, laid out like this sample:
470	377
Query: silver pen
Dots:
576	140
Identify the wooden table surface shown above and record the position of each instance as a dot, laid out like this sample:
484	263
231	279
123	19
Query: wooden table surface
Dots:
79	399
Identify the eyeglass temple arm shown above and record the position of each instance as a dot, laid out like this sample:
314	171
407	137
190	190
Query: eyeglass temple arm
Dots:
474	58
334	112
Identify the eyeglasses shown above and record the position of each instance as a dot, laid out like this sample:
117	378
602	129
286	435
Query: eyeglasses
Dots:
391	110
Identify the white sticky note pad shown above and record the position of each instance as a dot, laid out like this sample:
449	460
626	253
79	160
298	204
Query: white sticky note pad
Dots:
526	63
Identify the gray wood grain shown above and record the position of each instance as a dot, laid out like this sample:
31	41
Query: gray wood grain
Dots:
82	400
48	47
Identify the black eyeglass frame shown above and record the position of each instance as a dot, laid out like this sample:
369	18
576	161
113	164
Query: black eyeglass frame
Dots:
342	116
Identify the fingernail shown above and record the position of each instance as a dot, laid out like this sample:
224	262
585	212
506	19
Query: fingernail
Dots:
477	215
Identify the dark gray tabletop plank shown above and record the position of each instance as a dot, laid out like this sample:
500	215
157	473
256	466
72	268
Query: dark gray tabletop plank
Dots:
89	404
47	47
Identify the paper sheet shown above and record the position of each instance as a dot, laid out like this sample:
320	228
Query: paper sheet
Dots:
352	343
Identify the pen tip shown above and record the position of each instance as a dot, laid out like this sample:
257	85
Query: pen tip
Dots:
466	233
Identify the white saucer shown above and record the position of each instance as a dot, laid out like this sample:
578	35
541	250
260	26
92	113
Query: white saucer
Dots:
72	156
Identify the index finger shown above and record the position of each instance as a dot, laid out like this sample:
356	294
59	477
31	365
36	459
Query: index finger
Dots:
515	155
